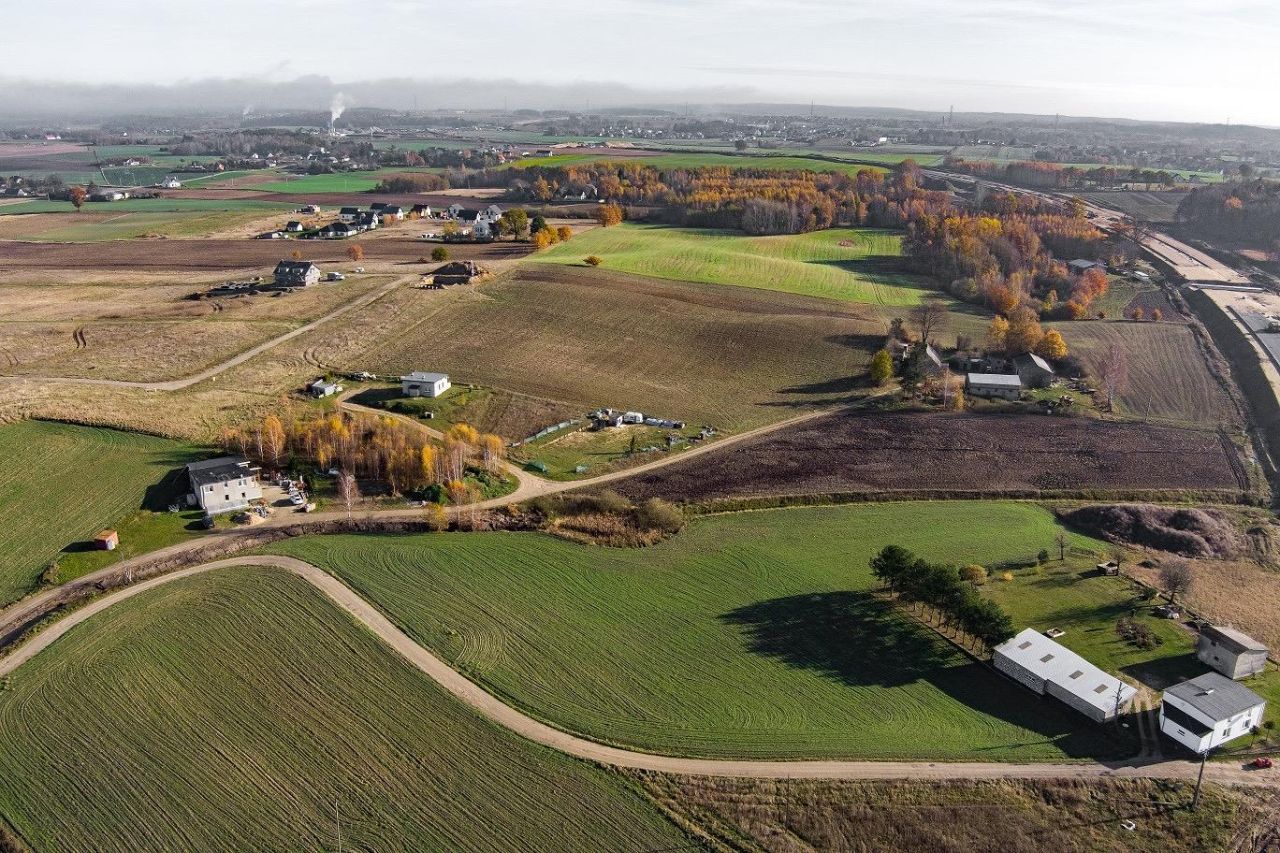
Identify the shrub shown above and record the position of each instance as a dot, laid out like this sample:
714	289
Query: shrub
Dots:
1133	631
1043	556
563	233
439	254
437	518
657	514
51	575
593	260
1006	577
974	574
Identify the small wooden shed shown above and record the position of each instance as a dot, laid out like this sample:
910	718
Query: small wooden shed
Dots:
106	540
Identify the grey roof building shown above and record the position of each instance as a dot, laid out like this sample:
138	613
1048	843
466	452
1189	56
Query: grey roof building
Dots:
1209	710
1232	653
223	484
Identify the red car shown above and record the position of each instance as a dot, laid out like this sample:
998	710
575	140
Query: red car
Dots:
1262	763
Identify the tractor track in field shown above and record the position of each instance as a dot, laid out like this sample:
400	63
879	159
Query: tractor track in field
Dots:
495	710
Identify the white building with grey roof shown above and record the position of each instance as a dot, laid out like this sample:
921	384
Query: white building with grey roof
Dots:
1050	668
1208	711
223	484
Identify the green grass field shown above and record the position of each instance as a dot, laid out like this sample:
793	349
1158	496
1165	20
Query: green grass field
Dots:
60	484
354	182
753	634
239	710
869	269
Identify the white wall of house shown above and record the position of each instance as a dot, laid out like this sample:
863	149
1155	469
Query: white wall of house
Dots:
230	495
1222	730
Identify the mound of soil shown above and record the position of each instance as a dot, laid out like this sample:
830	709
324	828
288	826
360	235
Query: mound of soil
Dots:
1189	532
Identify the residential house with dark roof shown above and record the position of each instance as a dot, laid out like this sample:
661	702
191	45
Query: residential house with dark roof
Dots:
224	484
296	274
349	214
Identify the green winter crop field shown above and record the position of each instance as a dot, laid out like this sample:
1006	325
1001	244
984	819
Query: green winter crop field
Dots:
60	484
240	710
339	182
778	162
753	634
867	269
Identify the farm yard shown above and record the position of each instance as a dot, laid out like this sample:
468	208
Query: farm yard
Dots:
729	357
852	264
859	452
749	635
61	484
1169	379
246	696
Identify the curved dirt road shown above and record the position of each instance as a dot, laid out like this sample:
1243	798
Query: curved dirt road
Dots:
527	727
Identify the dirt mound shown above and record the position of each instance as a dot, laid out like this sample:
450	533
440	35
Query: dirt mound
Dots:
1189	532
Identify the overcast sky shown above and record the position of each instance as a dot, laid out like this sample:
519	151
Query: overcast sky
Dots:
1193	60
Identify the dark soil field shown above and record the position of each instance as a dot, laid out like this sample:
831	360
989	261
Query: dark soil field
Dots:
914	452
231	254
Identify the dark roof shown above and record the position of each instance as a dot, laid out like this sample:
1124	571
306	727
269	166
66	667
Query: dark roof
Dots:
1237	641
379	205
219	470
294	267
1215	696
350	210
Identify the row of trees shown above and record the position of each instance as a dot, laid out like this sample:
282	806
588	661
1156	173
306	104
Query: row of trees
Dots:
947	598
369	447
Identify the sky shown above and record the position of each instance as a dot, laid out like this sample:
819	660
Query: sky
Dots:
1183	60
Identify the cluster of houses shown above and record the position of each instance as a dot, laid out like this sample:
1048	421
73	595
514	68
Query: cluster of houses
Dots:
1201	713
476	224
1005	379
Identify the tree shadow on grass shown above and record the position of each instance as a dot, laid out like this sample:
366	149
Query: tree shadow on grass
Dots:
859	639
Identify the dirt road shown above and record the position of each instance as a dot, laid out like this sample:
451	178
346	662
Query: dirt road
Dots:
513	720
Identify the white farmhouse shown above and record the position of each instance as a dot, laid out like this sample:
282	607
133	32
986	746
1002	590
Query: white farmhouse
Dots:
1047	667
223	484
422	384
1208	711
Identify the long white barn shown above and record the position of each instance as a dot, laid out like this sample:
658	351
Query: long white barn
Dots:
1047	667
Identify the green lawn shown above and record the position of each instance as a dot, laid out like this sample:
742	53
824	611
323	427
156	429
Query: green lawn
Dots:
355	182
869	269
239	710
60	484
565	451
754	634
779	162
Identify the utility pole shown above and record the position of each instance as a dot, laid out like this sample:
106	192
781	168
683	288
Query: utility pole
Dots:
1195	799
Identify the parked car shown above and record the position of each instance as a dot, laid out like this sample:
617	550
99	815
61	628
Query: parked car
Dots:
297	500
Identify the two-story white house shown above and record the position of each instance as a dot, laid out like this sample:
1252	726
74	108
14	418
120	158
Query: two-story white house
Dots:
223	484
1208	711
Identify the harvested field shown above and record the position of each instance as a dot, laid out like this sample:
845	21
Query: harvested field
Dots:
1169	378
727	356
241	710
1012	816
132	350
861	452
396	247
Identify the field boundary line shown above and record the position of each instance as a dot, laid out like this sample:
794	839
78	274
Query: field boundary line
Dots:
498	712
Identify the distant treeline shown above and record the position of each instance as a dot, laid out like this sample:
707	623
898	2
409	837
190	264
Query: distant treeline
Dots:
1238	212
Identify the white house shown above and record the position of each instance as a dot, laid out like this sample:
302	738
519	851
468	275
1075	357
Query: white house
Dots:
349	214
170	182
1208	711
1005	386
1233	653
422	384
1048	667
223	484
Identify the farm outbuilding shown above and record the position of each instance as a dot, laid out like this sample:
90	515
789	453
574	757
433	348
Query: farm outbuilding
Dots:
106	540
1208	711
1231	652
323	388
1002	386
1050	668
1033	370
